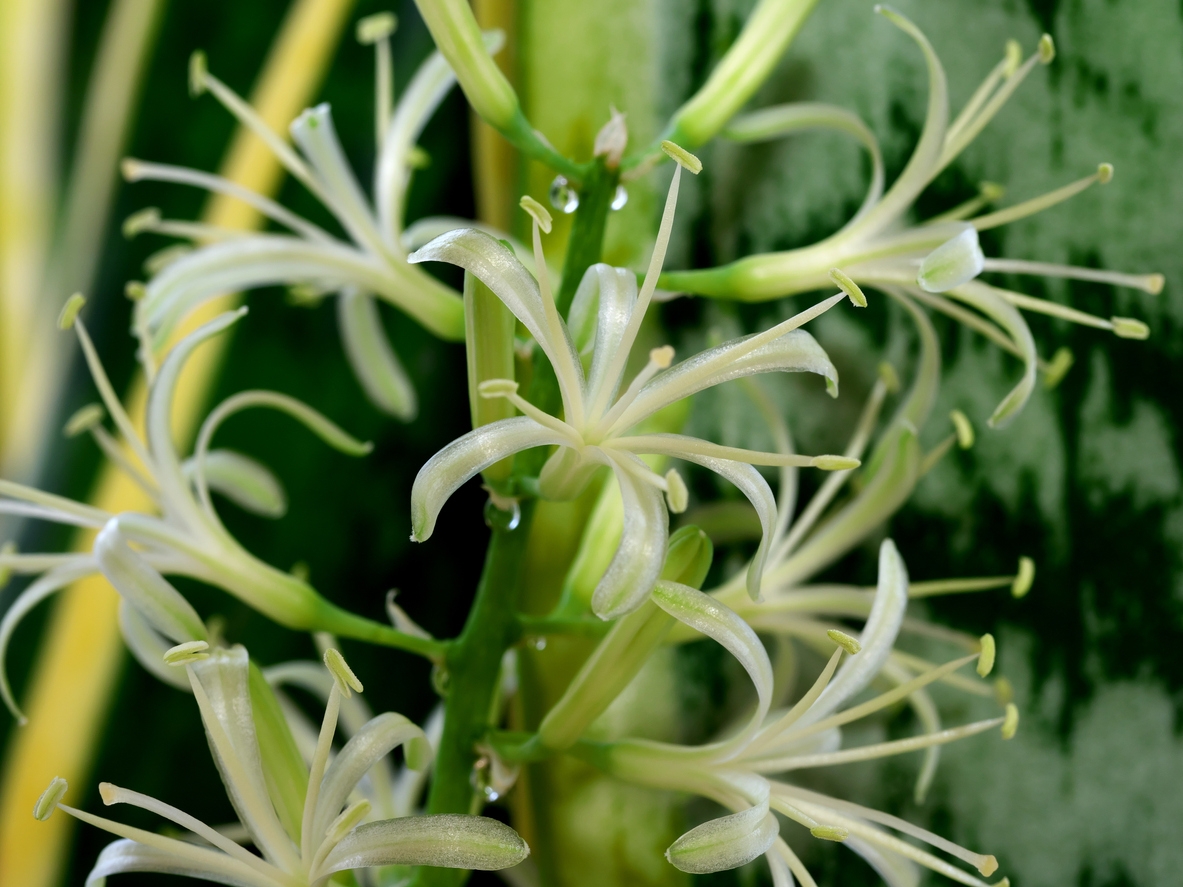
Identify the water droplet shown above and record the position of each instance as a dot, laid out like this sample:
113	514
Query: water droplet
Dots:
538	643
503	519
491	777
441	680
620	198
563	197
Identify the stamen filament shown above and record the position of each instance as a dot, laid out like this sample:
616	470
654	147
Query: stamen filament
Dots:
958	586
110	399
1149	283
565	368
316	771
1039	204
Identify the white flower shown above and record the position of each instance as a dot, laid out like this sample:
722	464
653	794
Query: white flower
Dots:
597	419
370	263
737	772
936	262
183	535
305	821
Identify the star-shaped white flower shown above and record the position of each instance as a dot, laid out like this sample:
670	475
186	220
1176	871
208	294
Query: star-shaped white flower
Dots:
937	261
183	534
306	821
370	262
597	428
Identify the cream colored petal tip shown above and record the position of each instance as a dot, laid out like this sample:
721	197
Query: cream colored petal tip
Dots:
682	157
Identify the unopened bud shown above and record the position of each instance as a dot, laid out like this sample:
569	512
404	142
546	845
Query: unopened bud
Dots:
688	557
343	675
845	641
611	140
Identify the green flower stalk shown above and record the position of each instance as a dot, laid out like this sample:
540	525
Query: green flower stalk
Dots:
186	537
938	261
594	431
301	819
371	264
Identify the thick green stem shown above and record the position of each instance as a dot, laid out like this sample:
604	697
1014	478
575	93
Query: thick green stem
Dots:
472	672
586	244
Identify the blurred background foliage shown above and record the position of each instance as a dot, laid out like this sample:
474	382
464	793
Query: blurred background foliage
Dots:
1087	481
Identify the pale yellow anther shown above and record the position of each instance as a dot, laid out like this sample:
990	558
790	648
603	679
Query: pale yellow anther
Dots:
1047	49
1004	691
986	660
343	675
991	191
1010	721
1023	578
1014	58
676	494
130	169
347	820
662	357
845	641
1002	882
537	211
988	866
417	158
1129	328
889	377
183	654
84	419
1104	173
141	221
965	430
834	463
497	388
198	72
135	290
848	286
109	793
1058	367
376	27
70	311
1155	283
50	798
682	157
830	833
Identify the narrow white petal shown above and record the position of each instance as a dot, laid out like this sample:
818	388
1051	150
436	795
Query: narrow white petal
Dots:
598	318
463	458
795	351
148	646
716	620
92	517
149	592
144	851
877	638
221	685
53	581
638	559
448	840
246	482
895	870
374	362
371	744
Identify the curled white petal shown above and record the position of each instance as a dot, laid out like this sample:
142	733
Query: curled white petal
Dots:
374	362
246	482
638	559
